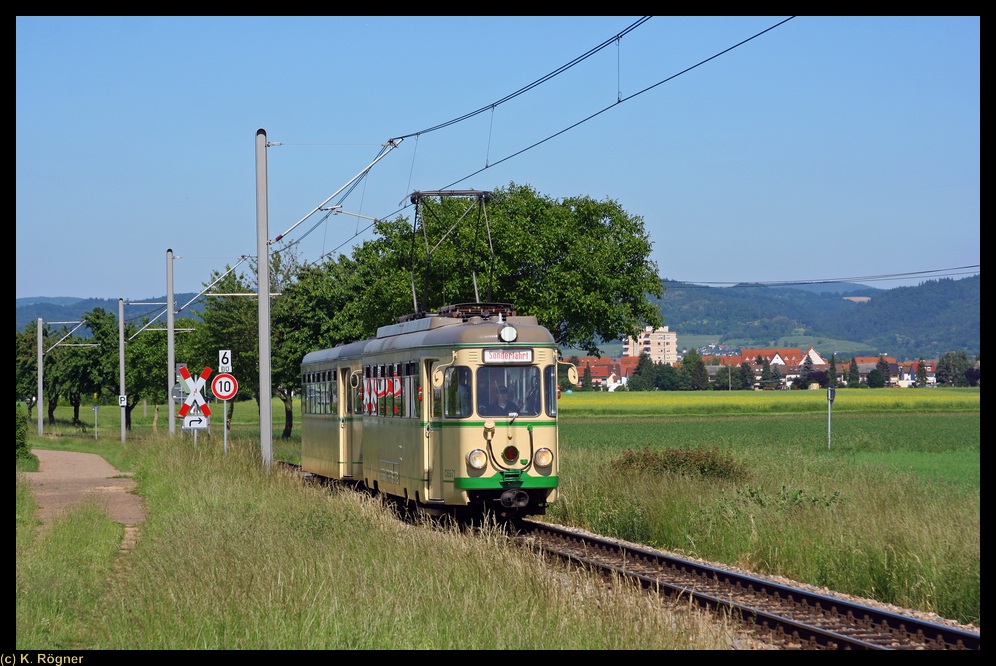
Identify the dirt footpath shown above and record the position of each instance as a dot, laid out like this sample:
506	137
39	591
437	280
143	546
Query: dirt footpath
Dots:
65	479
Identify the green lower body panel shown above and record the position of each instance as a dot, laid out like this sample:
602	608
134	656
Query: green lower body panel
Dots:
498	481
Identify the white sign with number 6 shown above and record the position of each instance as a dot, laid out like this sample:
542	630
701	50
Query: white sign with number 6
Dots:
224	360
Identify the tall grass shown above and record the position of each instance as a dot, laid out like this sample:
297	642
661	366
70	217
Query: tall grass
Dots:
60	573
887	507
233	556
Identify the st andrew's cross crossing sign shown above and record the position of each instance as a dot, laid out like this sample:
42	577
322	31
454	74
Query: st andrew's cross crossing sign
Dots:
195	398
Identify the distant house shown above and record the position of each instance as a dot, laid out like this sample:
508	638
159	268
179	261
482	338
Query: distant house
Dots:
908	372
868	363
784	356
661	344
789	362
605	372
627	366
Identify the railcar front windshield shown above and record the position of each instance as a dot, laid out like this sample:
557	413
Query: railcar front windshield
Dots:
509	389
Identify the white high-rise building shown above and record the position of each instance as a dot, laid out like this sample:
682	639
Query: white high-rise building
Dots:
658	343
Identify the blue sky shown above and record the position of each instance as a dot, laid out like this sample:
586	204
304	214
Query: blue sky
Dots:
824	148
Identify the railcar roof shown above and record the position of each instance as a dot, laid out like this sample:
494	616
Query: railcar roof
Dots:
477	324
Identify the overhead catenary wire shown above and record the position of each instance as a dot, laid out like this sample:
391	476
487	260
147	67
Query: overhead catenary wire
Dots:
930	274
488	107
543	79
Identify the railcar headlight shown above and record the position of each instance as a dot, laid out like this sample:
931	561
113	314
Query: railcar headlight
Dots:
477	459
543	457
508	333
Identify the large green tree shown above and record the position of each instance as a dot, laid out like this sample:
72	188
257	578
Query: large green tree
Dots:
105	333
876	379
581	266
882	365
952	369
746	376
765	371
643	377
26	365
667	377
727	379
694	376
807	371
586	383
87	367
853	374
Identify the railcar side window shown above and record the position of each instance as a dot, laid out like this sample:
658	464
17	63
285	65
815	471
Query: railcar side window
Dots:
306	390
457	393
357	395
333	393
532	402
369	392
323	393
550	383
397	391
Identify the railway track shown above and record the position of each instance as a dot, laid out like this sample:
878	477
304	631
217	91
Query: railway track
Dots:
782	616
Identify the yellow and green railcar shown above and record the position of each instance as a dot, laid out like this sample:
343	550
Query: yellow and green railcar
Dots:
454	412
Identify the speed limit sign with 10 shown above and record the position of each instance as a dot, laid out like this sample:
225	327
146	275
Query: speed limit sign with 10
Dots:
224	386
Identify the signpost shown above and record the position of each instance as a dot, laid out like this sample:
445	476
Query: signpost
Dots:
831	394
225	387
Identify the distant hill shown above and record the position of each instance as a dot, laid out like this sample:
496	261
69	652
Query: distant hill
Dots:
842	288
928	320
69	309
58	300
906	323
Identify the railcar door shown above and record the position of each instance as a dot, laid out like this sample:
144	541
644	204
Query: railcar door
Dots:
432	430
345	424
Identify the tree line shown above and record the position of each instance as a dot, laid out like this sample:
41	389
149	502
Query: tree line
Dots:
953	369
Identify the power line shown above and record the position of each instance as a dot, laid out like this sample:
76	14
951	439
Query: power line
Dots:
541	80
532	85
931	274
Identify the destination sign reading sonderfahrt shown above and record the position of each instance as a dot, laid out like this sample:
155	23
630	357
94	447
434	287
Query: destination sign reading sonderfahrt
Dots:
508	355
